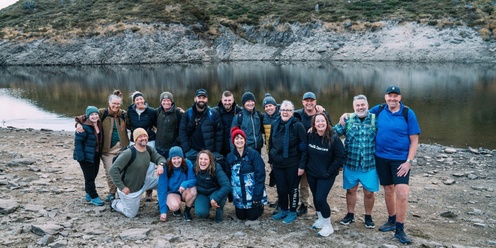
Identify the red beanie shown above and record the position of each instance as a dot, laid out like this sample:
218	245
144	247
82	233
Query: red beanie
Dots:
235	131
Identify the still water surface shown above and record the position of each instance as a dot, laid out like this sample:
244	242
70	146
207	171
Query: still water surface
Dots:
455	103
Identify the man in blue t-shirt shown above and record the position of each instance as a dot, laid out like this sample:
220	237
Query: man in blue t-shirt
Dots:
396	146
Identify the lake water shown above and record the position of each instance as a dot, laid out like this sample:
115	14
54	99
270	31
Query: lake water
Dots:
455	103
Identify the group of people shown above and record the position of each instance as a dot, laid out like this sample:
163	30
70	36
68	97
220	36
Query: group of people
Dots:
205	156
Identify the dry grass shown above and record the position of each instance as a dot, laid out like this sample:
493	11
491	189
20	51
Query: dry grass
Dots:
49	18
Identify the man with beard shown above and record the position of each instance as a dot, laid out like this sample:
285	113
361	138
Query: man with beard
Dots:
201	128
133	177
360	130
227	109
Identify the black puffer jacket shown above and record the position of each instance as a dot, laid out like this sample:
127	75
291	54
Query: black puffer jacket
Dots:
227	118
296	143
211	127
146	120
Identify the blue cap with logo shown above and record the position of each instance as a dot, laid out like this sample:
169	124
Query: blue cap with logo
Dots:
393	89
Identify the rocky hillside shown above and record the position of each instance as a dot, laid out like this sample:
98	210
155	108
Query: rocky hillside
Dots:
48	32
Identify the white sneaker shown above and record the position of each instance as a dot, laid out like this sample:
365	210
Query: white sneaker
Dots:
327	227
326	231
319	223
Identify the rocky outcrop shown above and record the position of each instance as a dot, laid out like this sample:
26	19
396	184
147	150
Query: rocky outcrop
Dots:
277	41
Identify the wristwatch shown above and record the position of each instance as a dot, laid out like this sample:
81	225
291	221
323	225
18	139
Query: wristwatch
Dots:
410	161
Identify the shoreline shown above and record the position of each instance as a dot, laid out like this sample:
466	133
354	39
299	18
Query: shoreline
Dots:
479	150
42	204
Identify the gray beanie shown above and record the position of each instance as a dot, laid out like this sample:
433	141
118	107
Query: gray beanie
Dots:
269	100
175	151
166	95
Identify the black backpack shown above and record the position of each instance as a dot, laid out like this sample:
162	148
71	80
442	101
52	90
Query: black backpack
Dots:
133	157
405	111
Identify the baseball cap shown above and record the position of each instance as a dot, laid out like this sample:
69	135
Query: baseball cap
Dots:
309	95
393	89
201	92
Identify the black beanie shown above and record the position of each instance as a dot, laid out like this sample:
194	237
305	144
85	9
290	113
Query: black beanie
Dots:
247	96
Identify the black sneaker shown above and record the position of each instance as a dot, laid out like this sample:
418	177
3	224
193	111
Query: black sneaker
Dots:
388	226
187	216
274	204
369	223
302	210
348	219
402	237
176	213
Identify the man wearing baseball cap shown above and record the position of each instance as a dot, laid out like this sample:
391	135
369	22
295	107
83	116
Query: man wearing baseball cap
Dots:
396	146
305	114
201	128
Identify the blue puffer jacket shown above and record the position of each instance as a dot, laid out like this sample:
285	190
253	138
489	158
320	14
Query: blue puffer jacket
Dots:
146	120
248	178
211	127
88	144
217	187
171	184
251	124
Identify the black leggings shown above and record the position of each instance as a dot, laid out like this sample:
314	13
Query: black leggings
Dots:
287	181
320	190
90	171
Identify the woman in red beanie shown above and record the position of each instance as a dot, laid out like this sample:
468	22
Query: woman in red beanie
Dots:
247	179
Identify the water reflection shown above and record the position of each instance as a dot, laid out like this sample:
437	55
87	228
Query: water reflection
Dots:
454	102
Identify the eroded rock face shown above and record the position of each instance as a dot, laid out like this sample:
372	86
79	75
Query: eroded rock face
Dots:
163	43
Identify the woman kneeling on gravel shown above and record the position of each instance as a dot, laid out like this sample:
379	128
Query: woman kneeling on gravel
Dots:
213	186
176	184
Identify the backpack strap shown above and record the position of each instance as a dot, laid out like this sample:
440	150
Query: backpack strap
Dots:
105	114
404	113
133	157
349	124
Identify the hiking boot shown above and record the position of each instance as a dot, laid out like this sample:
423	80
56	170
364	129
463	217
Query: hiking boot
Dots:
177	213
348	219
369	223
97	201
110	197
219	212
290	218
87	197
302	210
280	215
388	226
402	237
187	216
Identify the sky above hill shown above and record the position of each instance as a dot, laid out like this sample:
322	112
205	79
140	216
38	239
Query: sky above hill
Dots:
5	3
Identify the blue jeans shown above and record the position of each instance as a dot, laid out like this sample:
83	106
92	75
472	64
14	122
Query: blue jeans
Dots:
202	205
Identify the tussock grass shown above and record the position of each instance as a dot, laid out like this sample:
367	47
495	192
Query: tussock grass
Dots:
27	18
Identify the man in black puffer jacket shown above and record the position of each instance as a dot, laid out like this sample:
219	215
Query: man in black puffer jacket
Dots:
201	128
